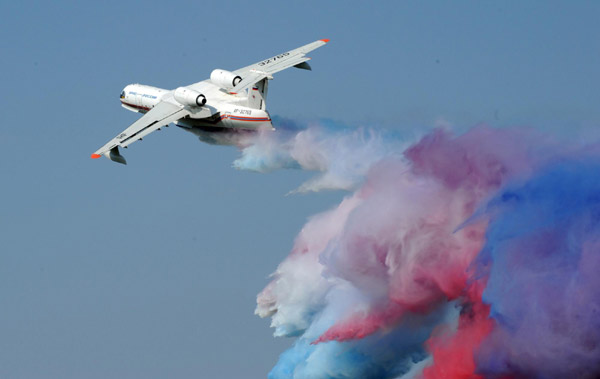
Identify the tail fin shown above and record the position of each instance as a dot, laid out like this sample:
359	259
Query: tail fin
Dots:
257	95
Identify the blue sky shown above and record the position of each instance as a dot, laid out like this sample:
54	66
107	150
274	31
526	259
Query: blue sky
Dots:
150	270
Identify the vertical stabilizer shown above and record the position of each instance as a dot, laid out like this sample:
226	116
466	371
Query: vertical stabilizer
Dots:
257	95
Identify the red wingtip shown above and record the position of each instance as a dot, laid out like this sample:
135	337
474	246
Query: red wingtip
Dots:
94	156
325	40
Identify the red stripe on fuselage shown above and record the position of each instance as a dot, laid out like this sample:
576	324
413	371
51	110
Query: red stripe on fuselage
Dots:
135	106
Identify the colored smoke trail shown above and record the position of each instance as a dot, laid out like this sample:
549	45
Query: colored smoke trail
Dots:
460	256
342	155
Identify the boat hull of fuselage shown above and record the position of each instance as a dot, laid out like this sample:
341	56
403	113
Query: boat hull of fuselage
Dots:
225	129
240	118
215	135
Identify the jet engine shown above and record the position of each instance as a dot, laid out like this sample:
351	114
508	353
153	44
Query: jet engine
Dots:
225	79
190	97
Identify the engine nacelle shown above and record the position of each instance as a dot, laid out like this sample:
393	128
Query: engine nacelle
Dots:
225	79
190	97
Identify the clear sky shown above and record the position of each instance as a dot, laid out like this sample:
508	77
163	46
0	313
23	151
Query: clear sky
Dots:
150	270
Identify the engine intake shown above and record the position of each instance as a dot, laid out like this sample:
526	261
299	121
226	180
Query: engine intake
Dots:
189	97
225	79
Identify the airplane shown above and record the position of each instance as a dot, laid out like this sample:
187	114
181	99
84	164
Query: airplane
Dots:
228	101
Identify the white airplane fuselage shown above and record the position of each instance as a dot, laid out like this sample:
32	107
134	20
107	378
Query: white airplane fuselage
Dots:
226	111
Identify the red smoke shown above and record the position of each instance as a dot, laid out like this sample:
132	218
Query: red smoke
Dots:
453	352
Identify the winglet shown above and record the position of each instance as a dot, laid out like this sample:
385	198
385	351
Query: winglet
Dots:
325	40
96	156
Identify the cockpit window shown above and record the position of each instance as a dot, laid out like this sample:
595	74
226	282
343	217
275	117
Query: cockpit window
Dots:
122	94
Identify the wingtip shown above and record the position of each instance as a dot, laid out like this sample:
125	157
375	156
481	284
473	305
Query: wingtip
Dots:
325	40
96	156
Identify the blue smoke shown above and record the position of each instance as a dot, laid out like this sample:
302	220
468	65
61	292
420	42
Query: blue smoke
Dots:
542	256
388	354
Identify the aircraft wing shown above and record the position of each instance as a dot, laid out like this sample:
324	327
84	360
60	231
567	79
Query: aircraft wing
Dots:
266	68
162	114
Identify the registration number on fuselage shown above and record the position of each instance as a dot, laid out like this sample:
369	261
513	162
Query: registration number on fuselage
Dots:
242	111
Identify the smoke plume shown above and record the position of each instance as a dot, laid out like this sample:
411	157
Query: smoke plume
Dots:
459	256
